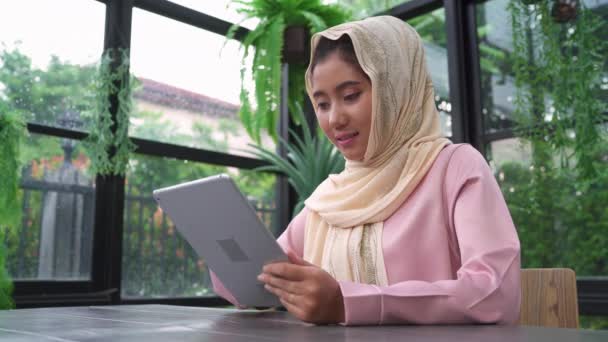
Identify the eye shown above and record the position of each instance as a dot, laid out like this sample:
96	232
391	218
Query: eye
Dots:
352	97
323	105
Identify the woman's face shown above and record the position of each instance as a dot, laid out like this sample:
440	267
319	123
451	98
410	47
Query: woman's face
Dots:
342	98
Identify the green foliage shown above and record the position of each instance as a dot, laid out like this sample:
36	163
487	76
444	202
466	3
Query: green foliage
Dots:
12	135
108	144
6	285
310	159
43	96
156	261
267	40
560	202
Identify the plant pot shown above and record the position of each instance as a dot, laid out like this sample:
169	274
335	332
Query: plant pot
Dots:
564	10
296	46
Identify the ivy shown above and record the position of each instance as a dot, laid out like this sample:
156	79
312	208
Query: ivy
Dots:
559	203
108	145
12	135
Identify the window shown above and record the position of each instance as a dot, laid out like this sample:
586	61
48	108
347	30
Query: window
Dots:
552	178
157	261
54	239
222	9
431	27
47	59
366	8
46	69
189	92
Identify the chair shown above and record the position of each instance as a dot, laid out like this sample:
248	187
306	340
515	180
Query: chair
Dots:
549	298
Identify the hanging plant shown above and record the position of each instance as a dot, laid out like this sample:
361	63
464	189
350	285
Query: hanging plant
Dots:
276	16
108	144
12	135
559	201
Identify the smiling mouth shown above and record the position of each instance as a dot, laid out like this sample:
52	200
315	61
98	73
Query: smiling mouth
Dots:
347	137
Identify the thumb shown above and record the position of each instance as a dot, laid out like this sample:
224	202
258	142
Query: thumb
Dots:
297	260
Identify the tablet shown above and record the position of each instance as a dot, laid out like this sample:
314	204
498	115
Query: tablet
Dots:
224	229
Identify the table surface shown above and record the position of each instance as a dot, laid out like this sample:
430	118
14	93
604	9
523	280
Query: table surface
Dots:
152	323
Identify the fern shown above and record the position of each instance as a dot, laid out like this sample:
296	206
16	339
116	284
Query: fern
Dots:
267	39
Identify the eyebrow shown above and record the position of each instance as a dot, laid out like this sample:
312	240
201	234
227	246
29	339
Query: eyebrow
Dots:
339	87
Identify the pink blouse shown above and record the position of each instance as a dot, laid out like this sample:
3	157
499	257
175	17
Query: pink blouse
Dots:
451	252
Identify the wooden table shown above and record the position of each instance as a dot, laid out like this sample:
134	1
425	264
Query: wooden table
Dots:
153	323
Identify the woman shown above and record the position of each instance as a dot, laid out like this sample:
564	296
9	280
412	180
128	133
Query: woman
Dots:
415	229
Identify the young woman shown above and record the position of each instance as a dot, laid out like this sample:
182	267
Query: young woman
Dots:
415	229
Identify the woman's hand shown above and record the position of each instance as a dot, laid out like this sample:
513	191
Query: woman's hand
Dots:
306	291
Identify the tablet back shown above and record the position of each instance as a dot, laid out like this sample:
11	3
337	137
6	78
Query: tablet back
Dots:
223	228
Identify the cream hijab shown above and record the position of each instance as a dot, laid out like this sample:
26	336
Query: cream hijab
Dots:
347	211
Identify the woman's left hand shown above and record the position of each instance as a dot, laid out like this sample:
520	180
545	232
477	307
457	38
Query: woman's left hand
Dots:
306	291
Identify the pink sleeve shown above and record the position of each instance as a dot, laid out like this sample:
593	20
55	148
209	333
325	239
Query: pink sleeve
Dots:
487	284
292	239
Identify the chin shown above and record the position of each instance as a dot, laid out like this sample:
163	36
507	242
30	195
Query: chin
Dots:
353	157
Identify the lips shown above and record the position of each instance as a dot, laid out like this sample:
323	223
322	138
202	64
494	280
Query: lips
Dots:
346	136
346	140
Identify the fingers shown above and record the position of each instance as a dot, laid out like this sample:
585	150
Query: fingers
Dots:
287	271
296	259
277	282
283	295
293	309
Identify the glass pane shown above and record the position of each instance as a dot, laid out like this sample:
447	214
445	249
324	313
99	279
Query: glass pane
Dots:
222	9
180	99
54	240
560	222
497	75
431	28
556	185
47	57
157	262
367	8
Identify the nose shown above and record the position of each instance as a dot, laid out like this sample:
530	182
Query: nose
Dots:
337	117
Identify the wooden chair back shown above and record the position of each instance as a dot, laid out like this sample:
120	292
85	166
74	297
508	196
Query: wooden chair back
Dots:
549	298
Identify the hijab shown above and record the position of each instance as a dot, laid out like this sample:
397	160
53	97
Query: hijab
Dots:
346	213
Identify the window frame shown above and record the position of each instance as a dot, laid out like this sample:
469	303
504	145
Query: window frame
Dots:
105	284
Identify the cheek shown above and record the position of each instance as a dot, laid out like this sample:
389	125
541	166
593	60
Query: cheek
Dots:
365	113
324	124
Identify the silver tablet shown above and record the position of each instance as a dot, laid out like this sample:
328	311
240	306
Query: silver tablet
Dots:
224	229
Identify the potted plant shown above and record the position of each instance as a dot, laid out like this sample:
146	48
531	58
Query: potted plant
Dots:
310	159
281	36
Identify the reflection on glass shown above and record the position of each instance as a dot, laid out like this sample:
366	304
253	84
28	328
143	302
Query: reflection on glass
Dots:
46	66
157	262
188	92
57	193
